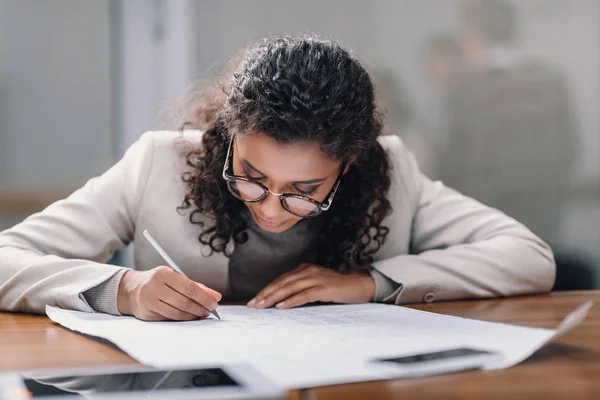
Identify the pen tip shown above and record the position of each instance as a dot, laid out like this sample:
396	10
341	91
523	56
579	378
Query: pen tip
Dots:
215	313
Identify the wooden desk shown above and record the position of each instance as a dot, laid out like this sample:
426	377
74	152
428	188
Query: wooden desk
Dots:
569	367
20	201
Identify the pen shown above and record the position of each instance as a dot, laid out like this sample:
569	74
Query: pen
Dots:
169	260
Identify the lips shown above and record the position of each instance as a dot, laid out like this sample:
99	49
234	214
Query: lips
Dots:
267	223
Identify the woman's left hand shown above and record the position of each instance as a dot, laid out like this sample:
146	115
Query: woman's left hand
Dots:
309	283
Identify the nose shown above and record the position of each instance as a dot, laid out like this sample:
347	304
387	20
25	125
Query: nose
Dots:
271	207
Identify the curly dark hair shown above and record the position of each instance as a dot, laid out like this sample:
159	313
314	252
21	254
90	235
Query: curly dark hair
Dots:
294	89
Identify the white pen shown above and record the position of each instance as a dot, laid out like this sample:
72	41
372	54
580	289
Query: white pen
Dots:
169	260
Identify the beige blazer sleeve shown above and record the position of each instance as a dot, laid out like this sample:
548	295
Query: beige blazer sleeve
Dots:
459	248
54	256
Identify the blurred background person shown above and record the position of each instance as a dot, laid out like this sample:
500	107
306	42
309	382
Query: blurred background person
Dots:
395	101
443	69
398	107
512	135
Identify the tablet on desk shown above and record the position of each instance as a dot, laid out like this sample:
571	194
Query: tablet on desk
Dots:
138	382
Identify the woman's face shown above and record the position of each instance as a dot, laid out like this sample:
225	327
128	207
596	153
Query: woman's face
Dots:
299	168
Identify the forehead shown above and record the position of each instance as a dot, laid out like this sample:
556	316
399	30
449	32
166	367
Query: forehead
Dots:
294	161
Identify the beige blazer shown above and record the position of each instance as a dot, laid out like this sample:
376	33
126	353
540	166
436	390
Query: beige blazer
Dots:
441	244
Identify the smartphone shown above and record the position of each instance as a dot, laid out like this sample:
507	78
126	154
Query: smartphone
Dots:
441	362
138	382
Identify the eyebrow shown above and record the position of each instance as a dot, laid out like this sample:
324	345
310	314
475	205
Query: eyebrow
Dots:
307	182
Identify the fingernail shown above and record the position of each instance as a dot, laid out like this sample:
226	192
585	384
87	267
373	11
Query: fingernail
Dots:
280	305
260	303
213	306
251	303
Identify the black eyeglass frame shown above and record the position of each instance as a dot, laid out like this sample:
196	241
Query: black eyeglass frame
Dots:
321	206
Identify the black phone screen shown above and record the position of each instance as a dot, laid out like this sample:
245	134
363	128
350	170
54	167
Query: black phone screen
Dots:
439	355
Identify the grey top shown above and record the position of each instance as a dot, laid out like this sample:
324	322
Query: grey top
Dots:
254	264
266	255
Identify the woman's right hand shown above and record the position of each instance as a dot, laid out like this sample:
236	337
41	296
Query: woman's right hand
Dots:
164	294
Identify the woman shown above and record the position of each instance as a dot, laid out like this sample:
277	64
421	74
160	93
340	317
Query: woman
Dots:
284	195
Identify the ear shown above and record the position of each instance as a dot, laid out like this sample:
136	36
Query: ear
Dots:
351	161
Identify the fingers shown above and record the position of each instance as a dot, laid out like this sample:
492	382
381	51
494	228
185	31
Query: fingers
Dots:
213	293
170	312
269	288
147	315
183	303
307	296
288	274
162	293
190	289
304	270
286	291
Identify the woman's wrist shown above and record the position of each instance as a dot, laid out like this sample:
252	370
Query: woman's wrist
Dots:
123	294
369	287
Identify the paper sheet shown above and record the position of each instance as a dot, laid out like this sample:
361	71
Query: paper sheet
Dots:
310	346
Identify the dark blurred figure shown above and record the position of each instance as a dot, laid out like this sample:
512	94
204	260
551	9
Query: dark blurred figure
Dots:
395	101
511	140
397	105
512	132
443	65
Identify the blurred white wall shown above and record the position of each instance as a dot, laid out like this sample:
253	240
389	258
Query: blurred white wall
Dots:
55	92
155	50
3	91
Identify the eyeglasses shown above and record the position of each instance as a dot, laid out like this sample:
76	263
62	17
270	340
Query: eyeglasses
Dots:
249	191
